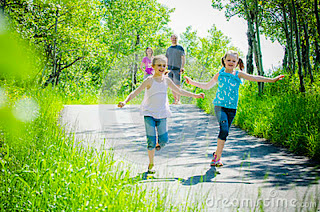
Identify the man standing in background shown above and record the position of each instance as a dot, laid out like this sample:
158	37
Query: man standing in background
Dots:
176	60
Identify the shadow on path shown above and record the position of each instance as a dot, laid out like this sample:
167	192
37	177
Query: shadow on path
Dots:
192	140
261	160
208	177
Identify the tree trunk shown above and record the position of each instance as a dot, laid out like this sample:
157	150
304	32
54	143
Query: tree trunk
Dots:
135	69
316	38
250	16
291	40
285	59
317	50
288	51
53	55
58	72
55	46
259	54
261	72
295	24
317	16
303	46
307	50
249	58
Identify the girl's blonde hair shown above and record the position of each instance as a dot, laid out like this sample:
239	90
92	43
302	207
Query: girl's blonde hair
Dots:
159	57
231	52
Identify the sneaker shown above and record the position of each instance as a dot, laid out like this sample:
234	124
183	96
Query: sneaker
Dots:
151	169
215	162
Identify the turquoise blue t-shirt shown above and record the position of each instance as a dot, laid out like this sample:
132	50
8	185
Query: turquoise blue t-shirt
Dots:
228	90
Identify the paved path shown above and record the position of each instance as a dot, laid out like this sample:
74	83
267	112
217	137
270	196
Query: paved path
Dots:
254	170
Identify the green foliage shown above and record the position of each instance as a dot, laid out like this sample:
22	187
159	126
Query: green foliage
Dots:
294	24
12	51
204	59
64	32
190	41
282	115
17	71
131	26
82	42
43	170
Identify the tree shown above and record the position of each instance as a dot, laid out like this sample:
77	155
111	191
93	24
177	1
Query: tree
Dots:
297	34
131	25
189	40
204	54
297	30
250	11
64	32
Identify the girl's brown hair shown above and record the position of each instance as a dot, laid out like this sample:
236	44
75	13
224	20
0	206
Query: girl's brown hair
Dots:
147	50
240	61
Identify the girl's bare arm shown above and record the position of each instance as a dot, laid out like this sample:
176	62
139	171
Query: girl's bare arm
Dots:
145	84
182	92
257	78
203	85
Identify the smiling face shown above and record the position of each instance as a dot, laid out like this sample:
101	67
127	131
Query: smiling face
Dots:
159	67
231	61
149	52
174	40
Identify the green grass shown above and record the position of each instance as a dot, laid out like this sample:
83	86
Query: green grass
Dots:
281	114
41	168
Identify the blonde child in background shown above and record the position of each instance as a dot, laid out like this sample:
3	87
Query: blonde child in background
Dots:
155	106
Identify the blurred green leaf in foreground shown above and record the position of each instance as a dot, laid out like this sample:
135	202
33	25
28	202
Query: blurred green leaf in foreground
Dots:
16	73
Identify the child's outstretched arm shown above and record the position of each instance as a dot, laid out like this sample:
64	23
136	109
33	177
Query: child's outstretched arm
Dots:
206	85
257	78
134	93
182	92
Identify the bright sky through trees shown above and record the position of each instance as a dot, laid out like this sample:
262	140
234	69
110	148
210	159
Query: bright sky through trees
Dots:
201	16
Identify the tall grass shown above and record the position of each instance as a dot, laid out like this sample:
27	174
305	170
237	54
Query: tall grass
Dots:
281	114
42	169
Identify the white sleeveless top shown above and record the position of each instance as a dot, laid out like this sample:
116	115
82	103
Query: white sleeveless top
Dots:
155	102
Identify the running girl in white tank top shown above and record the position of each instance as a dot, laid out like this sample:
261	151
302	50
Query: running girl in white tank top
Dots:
155	106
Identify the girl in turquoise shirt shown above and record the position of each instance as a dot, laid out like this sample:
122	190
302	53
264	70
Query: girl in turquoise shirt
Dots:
226	101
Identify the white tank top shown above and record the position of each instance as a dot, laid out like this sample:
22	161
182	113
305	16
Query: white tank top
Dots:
155	102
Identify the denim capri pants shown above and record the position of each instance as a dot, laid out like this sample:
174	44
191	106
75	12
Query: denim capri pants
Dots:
225	117
156	127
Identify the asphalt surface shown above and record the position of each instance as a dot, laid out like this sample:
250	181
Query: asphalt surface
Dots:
256	174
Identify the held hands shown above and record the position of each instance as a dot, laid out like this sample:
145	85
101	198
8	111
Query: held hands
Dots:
121	104
280	77
188	80
199	96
